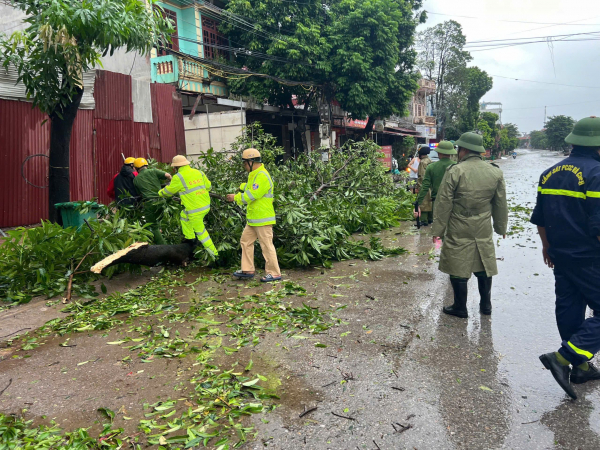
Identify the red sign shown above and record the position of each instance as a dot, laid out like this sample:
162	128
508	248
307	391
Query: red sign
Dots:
387	159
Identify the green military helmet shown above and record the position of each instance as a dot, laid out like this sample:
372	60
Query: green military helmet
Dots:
446	148
586	133
471	141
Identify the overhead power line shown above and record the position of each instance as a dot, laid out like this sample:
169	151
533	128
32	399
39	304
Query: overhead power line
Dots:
545	82
245	52
534	37
551	106
514	21
211	65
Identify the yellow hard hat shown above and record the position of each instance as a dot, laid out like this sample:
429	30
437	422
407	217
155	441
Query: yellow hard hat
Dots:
129	160
179	160
140	162
251	154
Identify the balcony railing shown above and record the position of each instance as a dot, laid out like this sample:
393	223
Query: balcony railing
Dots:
424	120
426	84
187	74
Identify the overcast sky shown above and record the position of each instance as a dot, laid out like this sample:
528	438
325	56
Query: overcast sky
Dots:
576	63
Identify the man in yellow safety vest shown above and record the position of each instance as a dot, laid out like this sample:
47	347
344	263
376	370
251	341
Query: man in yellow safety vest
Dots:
193	188
257	194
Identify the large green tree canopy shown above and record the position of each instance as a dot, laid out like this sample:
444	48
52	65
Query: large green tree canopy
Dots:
557	129
459	88
360	52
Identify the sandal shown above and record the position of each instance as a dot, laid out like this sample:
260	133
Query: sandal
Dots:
240	274
270	278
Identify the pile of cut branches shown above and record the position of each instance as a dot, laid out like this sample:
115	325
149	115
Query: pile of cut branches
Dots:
319	205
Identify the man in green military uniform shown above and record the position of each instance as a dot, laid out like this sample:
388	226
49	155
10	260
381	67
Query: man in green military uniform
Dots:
425	205
471	194
148	183
434	174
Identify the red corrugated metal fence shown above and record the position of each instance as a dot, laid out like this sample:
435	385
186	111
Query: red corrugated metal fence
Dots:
98	140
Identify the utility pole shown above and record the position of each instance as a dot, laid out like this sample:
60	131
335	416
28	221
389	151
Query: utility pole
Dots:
545	115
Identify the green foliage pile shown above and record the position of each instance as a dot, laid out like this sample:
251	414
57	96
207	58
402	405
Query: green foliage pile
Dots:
319	205
40	261
149	323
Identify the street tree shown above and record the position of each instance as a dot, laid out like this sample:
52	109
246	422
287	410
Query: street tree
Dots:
465	88
487	133
557	129
359	53
441	54
63	39
538	139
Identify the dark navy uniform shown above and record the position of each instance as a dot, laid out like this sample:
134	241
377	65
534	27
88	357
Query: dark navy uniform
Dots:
568	207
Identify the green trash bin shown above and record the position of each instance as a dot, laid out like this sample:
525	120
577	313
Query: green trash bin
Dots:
72	216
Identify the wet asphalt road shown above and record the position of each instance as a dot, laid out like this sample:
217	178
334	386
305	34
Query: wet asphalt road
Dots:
468	384
417	379
490	389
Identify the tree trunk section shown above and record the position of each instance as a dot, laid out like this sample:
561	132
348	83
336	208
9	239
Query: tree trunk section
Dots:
60	140
369	126
148	255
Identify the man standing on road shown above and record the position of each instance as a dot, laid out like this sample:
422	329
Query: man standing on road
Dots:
567	214
434	174
258	195
148	183
471	194
425	204
193	188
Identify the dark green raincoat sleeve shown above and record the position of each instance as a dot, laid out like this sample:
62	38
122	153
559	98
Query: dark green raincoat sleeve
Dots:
500	208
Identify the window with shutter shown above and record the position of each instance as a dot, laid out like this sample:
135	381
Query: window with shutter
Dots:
214	42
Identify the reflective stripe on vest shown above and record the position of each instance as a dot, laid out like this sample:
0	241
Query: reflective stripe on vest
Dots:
266	219
197	210
185	187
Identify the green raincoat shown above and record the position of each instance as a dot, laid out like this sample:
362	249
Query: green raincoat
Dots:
425	204
471	194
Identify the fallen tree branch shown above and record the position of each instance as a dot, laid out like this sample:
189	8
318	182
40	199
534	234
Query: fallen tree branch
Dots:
147	255
308	411
343	417
7	386
10	334
333	177
70	285
235	205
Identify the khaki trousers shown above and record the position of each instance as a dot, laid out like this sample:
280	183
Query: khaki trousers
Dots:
264	234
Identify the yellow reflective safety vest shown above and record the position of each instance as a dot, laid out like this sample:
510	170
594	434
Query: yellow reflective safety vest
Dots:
193	188
258	196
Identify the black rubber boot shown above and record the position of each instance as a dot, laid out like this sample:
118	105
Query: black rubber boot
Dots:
559	372
485	291
459	308
579	376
